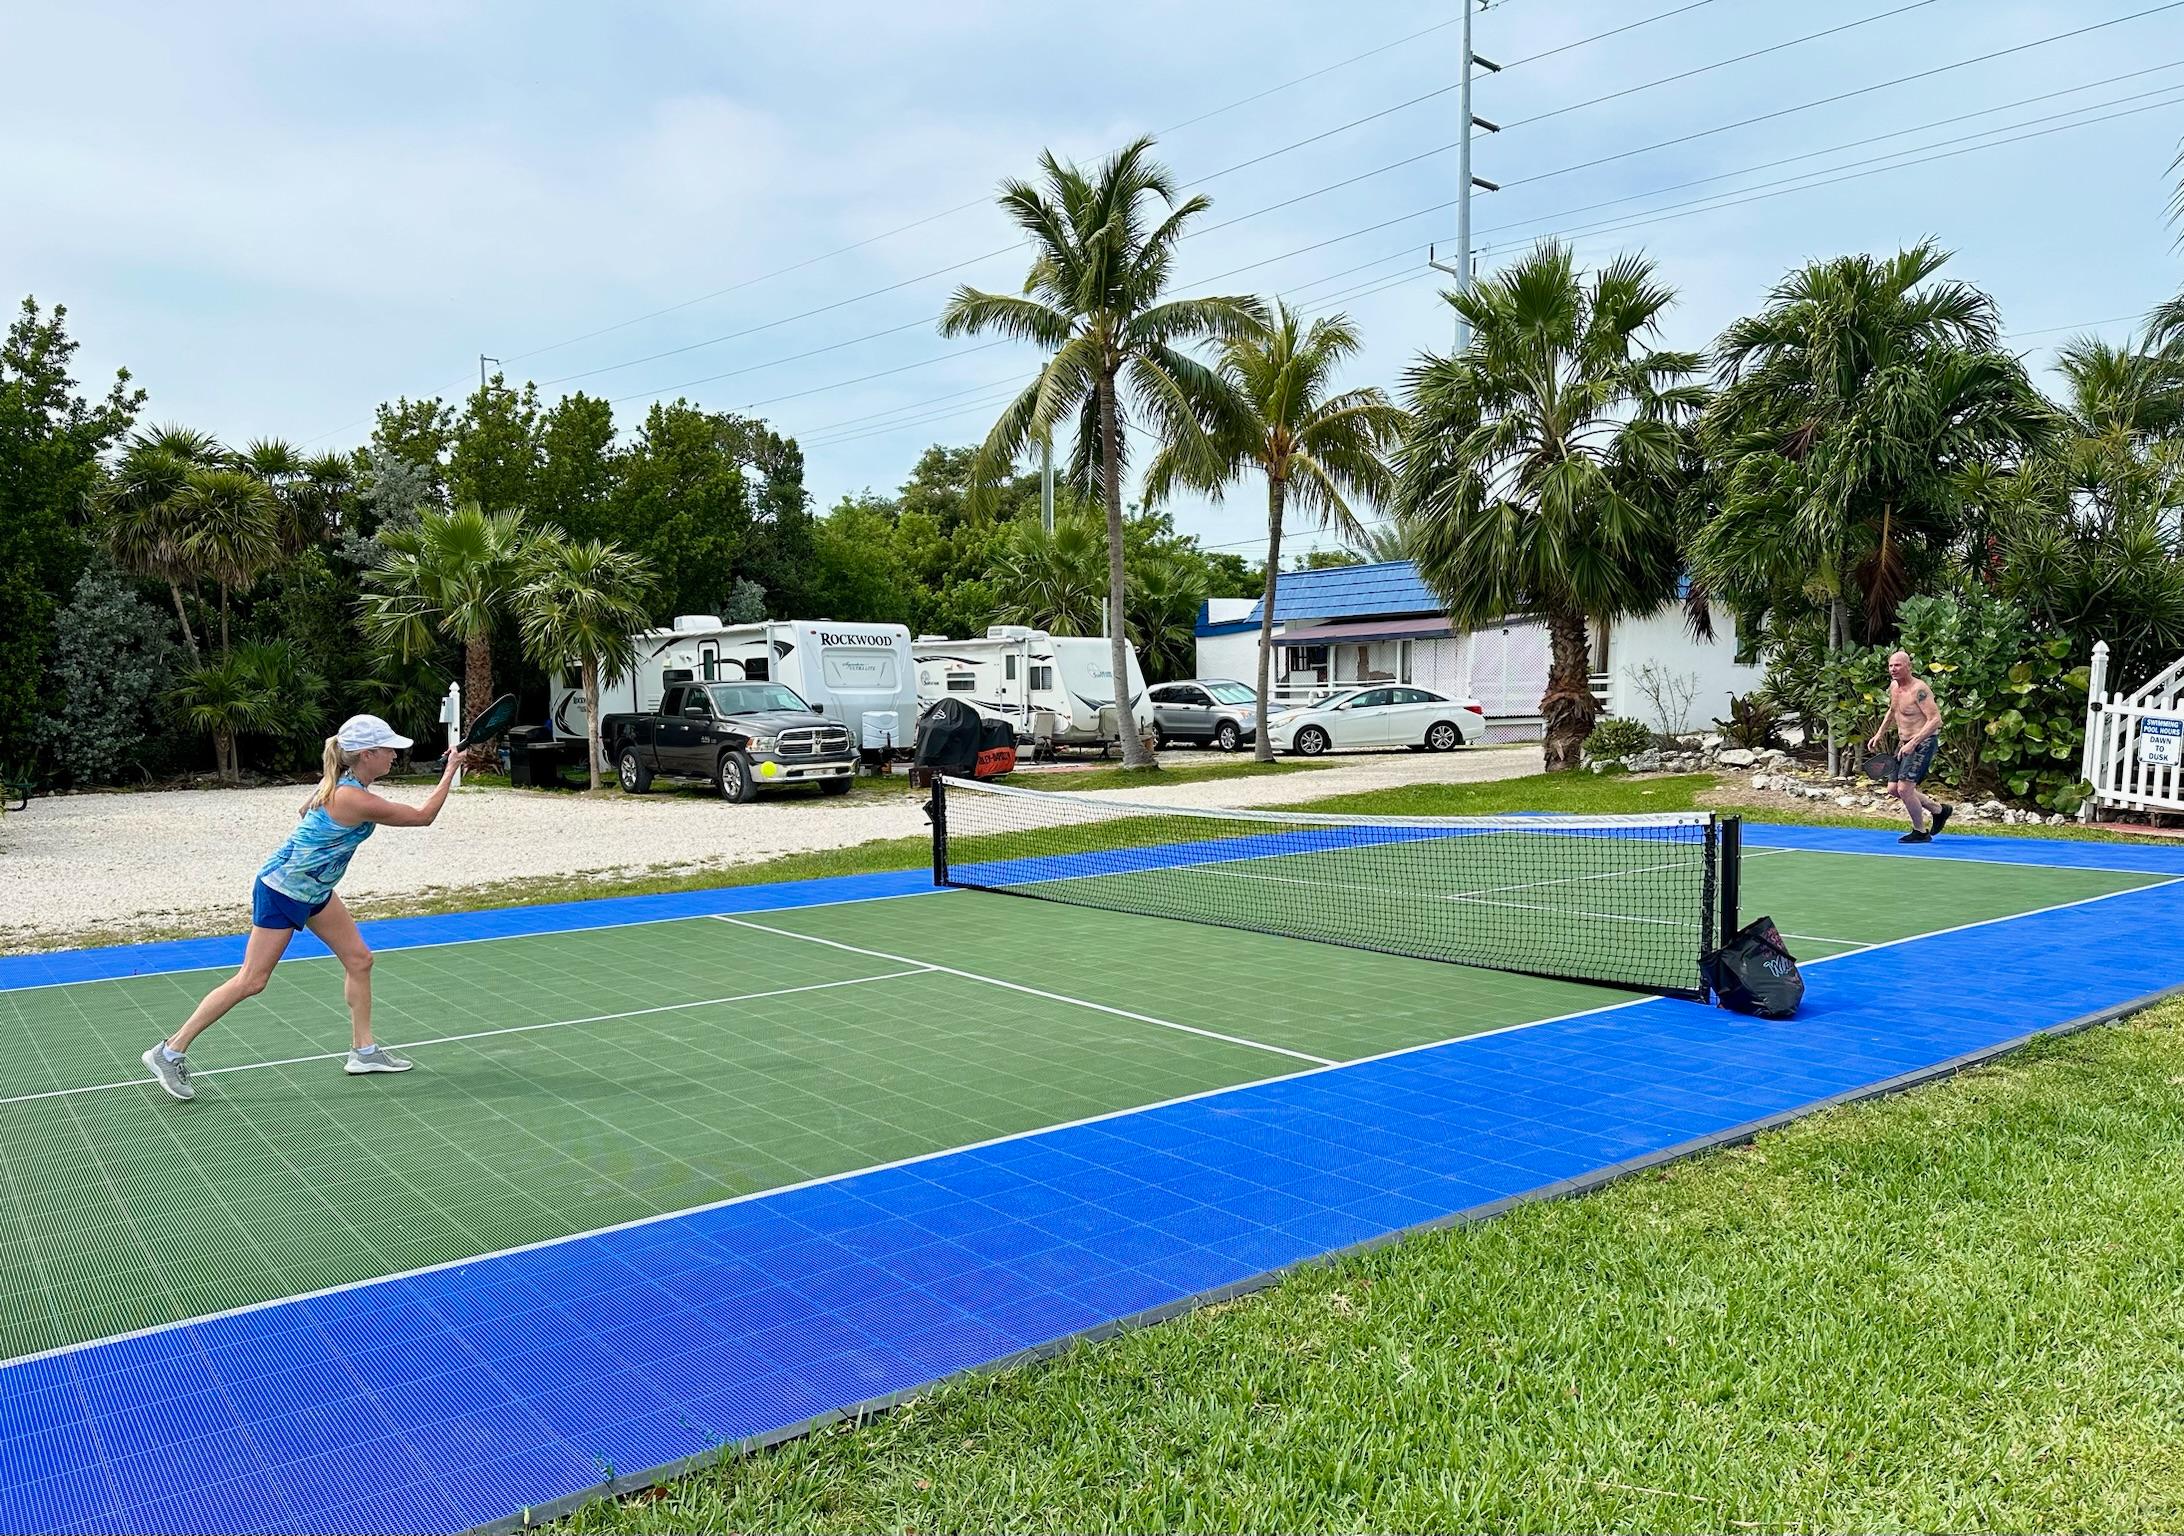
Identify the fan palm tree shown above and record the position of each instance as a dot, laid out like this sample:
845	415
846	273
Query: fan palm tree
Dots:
138	517
1165	596
581	605
1052	580
1539	473
230	526
1319	451
448	578
226	697
1850	410
1095	298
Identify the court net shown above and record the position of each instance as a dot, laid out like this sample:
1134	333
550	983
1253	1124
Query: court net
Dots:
1630	901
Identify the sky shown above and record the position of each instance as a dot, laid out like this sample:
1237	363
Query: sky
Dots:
277	217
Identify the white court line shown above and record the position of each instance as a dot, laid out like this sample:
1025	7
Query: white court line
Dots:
936	1155
1972	858
483	938
919	968
1017	986
2007	917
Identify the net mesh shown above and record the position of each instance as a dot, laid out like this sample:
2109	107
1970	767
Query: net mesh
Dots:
1623	900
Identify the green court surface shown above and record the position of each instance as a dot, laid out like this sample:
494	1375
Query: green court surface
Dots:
569	1082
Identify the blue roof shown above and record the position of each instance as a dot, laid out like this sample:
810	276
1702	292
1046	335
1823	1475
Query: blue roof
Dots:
1385	590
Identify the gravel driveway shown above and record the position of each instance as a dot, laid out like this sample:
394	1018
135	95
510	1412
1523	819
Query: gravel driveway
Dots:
109	867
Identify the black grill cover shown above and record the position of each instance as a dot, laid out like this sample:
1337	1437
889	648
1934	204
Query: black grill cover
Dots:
949	737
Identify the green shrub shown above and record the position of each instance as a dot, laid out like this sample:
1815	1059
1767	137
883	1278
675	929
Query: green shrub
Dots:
1614	738
1751	721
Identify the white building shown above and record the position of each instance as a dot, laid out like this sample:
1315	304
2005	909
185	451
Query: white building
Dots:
1355	624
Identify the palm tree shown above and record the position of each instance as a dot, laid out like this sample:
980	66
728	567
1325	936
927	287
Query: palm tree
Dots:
230	527
581	605
1319	451
1850	411
1094	299
1540	470
448	578
136	507
1378	542
1052	581
227	697
1165	596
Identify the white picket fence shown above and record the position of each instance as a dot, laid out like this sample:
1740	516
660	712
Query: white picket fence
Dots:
2134	743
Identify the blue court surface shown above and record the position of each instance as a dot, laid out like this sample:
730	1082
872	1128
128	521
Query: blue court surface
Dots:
846	1138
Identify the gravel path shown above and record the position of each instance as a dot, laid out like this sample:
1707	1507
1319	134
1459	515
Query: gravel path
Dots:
89	868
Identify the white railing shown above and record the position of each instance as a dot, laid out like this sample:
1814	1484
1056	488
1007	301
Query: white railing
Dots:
2133	742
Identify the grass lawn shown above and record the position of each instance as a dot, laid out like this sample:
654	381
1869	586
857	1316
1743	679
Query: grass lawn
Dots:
1960	1308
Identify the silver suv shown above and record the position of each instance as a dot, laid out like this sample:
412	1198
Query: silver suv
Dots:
1216	711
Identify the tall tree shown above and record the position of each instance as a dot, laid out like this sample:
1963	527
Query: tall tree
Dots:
1850	408
419	433
576	466
580	605
230	527
52	436
140	520
494	450
1538	472
1318	450
1096	300
450	577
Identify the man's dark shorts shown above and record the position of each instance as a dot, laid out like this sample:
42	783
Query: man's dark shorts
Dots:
1913	766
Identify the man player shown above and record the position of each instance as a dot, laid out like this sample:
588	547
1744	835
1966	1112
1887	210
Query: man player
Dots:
1916	719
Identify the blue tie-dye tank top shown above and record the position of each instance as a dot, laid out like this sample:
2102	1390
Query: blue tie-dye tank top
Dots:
311	863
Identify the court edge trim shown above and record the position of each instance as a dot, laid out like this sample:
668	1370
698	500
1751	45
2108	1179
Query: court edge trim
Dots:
1560	1189
1065	1125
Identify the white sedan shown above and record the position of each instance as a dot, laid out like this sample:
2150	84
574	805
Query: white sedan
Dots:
1417	718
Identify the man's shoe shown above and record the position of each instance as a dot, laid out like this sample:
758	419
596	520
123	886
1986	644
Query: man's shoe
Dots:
174	1076
1916	837
1941	818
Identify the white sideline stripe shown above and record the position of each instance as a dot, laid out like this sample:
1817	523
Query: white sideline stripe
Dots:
1017	986
943	1152
919	969
2007	917
483	938
1972	858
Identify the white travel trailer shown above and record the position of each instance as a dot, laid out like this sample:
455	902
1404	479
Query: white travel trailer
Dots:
1058	688
858	674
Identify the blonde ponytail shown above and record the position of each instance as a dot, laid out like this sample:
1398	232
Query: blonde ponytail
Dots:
331	766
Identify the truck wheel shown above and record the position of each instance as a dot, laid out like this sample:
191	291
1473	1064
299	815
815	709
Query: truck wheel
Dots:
630	769
734	778
836	786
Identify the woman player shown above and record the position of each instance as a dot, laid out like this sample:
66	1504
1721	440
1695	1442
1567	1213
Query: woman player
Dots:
295	890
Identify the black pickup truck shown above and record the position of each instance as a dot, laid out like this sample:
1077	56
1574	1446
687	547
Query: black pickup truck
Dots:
745	737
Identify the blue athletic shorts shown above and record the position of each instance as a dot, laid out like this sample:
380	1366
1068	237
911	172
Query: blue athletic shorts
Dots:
1913	766
277	909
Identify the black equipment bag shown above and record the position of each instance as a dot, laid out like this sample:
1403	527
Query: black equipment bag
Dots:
949	738
1755	973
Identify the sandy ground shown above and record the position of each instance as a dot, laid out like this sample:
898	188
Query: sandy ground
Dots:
107	867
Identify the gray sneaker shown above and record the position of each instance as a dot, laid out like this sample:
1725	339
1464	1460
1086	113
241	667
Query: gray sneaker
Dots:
174	1076
377	1059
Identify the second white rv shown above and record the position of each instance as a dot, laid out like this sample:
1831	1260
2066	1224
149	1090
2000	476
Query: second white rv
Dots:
1047	686
860	675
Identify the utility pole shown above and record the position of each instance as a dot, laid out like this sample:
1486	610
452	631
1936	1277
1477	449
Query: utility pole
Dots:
482	361
1461	271
1046	483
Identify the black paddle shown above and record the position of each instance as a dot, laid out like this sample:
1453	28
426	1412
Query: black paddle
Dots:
492	721
1880	767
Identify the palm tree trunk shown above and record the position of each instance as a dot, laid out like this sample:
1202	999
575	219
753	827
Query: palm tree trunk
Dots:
223	752
1134	754
1568	707
1263	748
591	717
477	693
182	621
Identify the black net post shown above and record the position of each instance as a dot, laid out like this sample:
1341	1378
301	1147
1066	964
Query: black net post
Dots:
936	810
1732	866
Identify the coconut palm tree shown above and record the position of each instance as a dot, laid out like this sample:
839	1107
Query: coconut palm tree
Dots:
1540	470
1318	450
581	605
448	578
1103	251
1850	410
